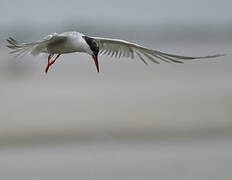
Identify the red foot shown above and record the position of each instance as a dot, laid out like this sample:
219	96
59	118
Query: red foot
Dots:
50	63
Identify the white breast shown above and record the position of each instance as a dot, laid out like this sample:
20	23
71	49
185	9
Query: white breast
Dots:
75	43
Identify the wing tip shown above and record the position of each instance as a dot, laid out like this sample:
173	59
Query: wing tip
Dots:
210	56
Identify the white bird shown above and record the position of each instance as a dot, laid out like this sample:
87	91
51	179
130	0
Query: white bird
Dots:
69	42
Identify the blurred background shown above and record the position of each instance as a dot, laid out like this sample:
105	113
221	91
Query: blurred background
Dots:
130	121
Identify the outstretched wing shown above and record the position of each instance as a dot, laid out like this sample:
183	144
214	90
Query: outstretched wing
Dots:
119	48
33	48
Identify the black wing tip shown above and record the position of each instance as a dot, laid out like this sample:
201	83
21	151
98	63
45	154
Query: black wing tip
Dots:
9	40
12	41
9	46
211	56
218	55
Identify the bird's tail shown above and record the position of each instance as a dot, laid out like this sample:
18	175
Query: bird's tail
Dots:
20	48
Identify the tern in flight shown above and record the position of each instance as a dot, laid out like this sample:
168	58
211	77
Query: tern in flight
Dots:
70	42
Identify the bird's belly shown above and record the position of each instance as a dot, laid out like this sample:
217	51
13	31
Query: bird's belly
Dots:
63	47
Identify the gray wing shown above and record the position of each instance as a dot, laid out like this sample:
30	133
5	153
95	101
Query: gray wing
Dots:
33	48
119	48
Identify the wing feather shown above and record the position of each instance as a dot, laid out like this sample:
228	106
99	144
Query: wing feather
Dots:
33	48
141	58
149	57
116	52
119	48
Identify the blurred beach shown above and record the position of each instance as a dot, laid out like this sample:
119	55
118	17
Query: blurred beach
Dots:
130	121
127	98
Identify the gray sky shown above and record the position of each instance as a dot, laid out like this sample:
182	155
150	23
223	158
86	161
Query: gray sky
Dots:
42	12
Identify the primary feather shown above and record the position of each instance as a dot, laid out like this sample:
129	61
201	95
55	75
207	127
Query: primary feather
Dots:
119	48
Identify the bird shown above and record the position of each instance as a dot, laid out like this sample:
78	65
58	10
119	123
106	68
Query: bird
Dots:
70	42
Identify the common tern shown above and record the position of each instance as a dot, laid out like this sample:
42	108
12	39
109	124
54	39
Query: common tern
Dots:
70	42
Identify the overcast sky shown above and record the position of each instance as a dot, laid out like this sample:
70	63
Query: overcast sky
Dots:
134	11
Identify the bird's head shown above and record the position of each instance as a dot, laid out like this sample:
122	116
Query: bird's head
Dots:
94	46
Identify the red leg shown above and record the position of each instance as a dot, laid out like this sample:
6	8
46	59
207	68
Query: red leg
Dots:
49	58
55	59
50	63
